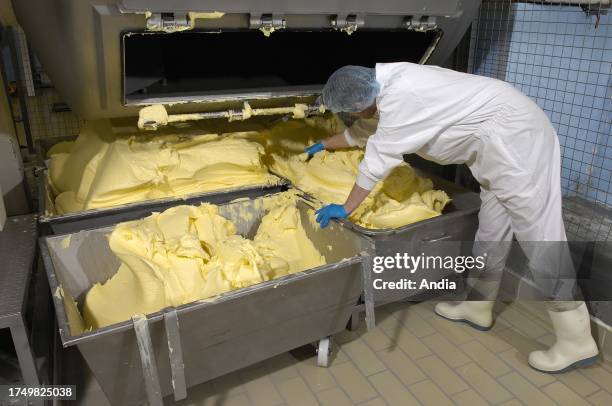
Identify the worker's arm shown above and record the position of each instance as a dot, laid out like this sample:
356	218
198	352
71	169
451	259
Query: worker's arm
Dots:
355	136
335	211
354	199
337	141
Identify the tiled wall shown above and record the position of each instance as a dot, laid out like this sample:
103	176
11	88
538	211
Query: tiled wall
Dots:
558	56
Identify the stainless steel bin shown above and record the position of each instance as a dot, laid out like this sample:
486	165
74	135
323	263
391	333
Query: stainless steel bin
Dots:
457	224
105	216
217	335
86	219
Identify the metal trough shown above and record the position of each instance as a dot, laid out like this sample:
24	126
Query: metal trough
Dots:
92	218
216	336
457	224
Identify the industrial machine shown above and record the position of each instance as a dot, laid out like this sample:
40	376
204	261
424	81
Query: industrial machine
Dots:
111	58
108	58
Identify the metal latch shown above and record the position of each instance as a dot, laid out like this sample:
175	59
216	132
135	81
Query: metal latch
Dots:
348	23
167	22
421	23
267	23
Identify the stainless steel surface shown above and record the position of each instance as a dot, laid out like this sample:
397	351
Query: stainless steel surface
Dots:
458	223
17	250
420	7
79	42
91	218
149	366
219	335
12	180
175	348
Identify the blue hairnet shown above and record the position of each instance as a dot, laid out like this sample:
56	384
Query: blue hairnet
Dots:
351	89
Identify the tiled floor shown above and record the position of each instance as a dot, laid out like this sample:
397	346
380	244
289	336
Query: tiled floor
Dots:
415	357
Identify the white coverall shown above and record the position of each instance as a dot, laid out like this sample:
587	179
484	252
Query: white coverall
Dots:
504	138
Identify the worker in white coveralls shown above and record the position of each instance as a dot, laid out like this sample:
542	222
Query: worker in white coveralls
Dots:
512	150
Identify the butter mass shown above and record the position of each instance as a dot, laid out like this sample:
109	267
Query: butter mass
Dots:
189	253
102	169
402	198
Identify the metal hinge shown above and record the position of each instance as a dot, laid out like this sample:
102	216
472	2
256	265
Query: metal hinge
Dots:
267	23
168	22
421	23
348	23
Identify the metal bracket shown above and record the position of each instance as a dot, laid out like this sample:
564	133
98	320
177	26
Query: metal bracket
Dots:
348	23
368	291
421	23
175	352
168	22
147	359
267	23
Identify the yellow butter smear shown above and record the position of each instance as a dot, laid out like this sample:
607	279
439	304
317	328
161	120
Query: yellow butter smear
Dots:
102	169
402	198
189	253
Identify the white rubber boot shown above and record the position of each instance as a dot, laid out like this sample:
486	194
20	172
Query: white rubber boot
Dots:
574	347
478	314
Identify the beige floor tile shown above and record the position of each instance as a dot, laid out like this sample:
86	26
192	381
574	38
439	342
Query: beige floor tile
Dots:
429	394
408	342
547	340
524	390
402	366
296	392
522	322
599	375
280	367
334	397
449	352
521	342
425	309
377	340
202	397
317	378
339	356
392	390
518	362
601	398
484	384
228	385
413	322
238	400
262	392
469	398
455	332
495	340
563	395
374	402
578	382
353	382
485	358
513	402
385	320
442	375
363	357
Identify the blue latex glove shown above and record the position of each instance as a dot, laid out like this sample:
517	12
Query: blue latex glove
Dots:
314	148
332	211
